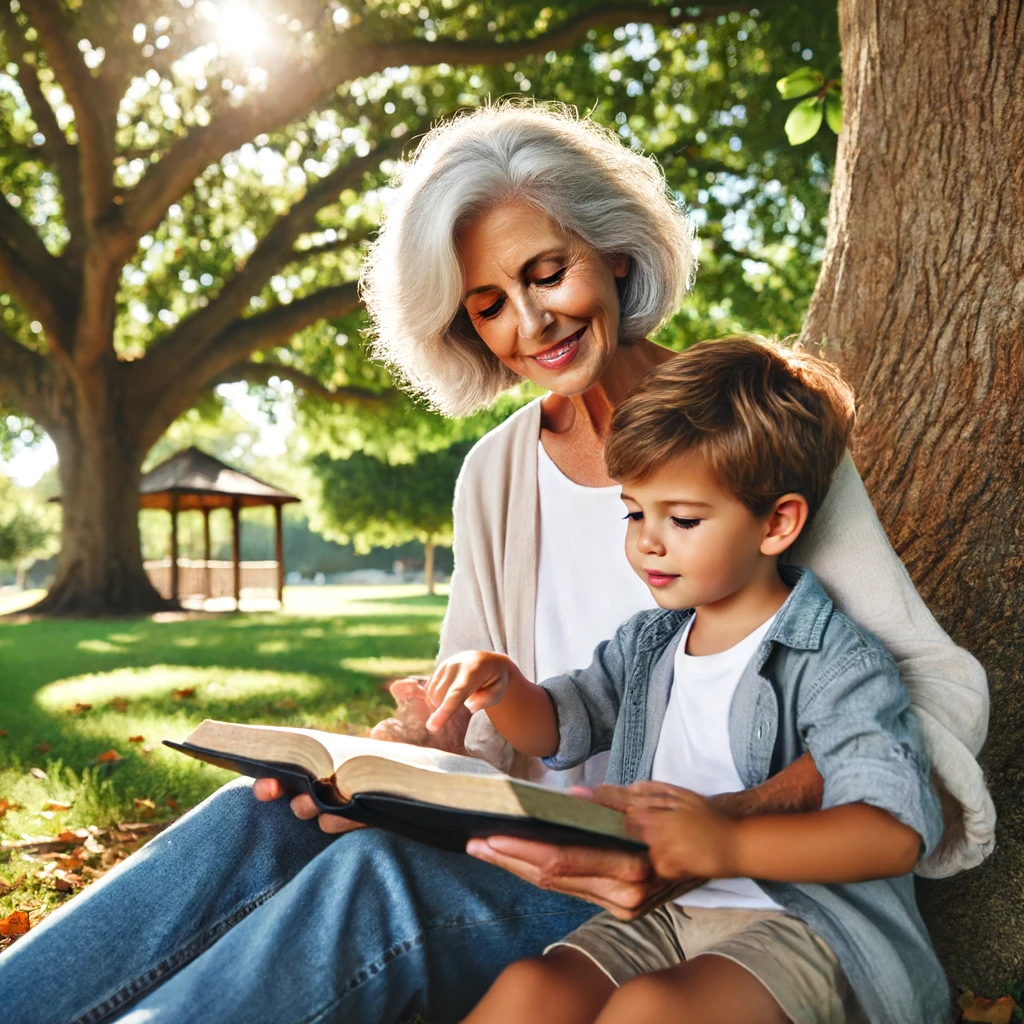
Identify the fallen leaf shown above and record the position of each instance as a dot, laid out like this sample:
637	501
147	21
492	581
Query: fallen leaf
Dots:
79	709
136	739
8	805
70	863
118	704
57	805
184	693
62	885
16	924
980	1010
44	748
172	803
145	807
69	837
3	733
107	756
37	773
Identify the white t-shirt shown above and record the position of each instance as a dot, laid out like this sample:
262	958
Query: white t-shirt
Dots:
585	586
694	752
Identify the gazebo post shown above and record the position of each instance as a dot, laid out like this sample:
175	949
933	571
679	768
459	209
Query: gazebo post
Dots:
174	545
279	552
236	547
207	579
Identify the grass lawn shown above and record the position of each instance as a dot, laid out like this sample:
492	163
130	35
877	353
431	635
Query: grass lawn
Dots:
73	691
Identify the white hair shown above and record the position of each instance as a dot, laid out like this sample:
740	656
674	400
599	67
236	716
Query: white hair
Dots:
578	173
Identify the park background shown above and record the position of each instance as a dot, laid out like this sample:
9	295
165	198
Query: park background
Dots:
186	190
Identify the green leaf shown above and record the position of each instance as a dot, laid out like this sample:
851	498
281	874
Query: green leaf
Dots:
834	110
800	83
804	120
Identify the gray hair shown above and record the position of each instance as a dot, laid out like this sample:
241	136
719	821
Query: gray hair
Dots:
576	172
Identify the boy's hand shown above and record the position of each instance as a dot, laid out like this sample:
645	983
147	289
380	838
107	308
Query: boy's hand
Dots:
476	679
686	834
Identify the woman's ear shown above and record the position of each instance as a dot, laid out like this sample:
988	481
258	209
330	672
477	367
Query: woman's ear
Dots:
620	265
784	523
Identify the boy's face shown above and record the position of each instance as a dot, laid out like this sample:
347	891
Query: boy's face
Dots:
691	541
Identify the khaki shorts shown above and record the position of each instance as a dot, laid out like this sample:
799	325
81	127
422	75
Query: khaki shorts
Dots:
790	960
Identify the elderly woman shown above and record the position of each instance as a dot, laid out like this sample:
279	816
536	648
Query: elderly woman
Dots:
521	243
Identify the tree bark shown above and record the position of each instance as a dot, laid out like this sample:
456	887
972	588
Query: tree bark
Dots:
100	571
921	301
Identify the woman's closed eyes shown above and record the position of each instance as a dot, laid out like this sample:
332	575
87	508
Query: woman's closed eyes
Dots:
493	310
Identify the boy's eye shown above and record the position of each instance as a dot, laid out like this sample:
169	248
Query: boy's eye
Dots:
634	516
684	524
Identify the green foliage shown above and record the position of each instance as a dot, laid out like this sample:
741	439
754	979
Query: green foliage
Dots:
370	502
805	118
27	528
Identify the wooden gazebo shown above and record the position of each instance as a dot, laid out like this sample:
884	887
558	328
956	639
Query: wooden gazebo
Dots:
192	480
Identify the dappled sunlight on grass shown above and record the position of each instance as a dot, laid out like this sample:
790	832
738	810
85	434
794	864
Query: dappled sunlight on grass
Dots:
15	602
71	690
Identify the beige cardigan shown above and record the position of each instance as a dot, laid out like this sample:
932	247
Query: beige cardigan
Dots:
493	595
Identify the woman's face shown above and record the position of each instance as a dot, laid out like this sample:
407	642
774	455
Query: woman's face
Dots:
545	303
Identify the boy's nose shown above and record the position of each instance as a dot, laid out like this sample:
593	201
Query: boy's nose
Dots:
649	543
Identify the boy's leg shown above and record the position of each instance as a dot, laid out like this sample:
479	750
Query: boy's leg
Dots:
704	989
564	987
374	930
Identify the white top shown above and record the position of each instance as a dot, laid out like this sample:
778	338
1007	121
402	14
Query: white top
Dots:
694	752
585	586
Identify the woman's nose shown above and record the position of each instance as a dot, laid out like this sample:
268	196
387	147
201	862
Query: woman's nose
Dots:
533	318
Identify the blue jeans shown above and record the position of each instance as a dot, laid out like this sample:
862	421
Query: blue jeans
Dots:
240	912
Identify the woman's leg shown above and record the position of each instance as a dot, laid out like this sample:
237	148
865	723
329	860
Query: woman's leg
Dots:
564	987
372	931
157	910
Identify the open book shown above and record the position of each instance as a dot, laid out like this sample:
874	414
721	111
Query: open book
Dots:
424	794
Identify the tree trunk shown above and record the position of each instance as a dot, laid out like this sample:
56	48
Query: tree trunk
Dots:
921	301
428	565
100	571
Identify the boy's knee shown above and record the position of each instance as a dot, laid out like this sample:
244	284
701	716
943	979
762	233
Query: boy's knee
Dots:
534	976
648	997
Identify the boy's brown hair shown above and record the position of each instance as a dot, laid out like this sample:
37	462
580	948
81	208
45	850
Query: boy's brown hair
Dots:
767	420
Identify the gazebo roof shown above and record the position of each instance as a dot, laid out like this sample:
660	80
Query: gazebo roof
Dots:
201	481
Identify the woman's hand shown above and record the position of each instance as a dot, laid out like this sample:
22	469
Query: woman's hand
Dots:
302	806
474	679
409	723
625	884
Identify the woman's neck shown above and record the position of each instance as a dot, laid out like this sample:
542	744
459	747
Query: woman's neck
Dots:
591	412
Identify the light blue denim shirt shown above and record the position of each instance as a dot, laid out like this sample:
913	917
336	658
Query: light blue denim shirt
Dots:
817	683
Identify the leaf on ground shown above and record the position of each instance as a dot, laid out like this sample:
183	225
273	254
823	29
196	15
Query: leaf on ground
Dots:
57	805
184	693
62	885
44	748
136	739
118	704
8	805
70	863
71	837
980	1010
37	773
172	803
145	807
79	709
108	756
3	733
287	704
16	924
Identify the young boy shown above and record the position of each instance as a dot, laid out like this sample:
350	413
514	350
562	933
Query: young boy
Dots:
723	454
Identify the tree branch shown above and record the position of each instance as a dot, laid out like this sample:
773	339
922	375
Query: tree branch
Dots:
57	150
22	378
356	55
261	373
169	395
96	139
188	340
421	52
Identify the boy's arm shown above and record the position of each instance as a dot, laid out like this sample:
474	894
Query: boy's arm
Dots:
798	787
687	833
520	710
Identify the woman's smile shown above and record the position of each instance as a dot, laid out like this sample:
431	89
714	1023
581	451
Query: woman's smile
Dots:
561	353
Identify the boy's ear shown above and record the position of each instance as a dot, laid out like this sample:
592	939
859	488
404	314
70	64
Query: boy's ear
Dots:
784	523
